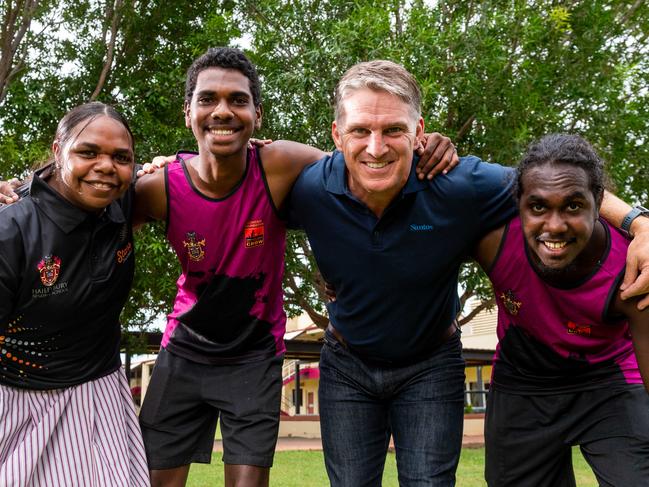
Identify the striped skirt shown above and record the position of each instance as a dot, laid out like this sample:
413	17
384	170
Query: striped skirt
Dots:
87	435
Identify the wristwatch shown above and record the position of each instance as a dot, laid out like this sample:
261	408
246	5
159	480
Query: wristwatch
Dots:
635	212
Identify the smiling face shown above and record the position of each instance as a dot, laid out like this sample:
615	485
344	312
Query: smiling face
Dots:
558	213
95	164
377	133
221	113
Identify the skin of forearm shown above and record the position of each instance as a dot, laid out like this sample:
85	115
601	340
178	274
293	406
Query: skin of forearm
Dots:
614	210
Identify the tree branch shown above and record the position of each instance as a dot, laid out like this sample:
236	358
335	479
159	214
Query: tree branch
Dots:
466	128
298	298
398	22
14	27
116	10
474	312
629	13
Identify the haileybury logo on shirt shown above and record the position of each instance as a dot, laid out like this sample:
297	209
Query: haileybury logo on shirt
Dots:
414	227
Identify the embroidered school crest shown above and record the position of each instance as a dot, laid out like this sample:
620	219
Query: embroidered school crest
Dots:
253	233
512	305
49	268
194	245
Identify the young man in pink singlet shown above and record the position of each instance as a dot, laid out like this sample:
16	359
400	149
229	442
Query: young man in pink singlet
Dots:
572	355
223	346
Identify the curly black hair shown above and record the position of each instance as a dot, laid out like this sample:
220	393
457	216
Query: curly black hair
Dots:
565	149
227	58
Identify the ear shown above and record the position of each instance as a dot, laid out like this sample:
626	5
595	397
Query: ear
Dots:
188	120
259	112
419	130
335	133
56	150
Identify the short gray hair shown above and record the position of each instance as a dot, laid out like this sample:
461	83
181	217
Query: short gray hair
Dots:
379	75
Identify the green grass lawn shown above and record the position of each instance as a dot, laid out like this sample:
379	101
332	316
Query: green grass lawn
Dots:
306	469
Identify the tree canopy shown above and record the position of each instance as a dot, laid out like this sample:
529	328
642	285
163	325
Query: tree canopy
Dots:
495	75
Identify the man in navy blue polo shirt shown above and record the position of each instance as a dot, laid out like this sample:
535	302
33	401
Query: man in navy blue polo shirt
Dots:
391	245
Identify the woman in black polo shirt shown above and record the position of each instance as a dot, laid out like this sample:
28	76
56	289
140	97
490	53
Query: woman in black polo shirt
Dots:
66	266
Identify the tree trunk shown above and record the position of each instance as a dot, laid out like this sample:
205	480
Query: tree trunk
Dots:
15	24
116	11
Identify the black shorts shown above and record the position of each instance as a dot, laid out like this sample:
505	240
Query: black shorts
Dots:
529	439
185	399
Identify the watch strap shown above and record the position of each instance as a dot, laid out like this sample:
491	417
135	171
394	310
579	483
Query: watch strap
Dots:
635	212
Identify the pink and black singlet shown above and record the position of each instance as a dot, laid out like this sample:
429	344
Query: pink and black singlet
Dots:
228	308
559	339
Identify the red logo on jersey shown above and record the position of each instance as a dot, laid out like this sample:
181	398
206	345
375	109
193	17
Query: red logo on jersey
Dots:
575	329
49	268
512	305
194	245
123	254
253	233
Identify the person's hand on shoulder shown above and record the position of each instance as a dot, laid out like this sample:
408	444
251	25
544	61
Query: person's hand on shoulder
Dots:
252	142
437	154
158	162
7	194
636	276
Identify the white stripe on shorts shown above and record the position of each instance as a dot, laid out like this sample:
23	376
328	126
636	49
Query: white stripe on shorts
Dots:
87	435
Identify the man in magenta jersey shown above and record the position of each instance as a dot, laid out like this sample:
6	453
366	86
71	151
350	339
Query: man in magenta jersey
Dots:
572	355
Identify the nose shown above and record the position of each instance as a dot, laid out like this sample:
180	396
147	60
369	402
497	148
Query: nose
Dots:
105	164
376	146
555	223
222	111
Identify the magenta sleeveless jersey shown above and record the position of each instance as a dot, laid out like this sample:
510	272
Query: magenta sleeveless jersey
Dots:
553	339
229	305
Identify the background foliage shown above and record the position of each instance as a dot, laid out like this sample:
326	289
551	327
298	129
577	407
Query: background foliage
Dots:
495	75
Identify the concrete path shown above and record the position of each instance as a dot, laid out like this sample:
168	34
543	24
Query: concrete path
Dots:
291	444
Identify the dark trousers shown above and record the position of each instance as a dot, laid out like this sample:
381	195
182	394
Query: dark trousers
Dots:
421	405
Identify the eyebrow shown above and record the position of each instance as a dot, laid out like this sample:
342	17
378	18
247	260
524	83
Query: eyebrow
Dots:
366	125
575	195
213	92
95	147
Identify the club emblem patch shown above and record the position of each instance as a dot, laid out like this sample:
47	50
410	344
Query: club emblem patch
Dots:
194	245
575	329
49	268
253	233
512	305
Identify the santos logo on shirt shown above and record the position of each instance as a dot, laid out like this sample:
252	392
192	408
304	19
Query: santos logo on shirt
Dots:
414	227
123	254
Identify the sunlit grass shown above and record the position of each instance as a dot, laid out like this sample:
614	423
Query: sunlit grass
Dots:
306	469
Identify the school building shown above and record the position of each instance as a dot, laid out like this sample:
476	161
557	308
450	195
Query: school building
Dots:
301	375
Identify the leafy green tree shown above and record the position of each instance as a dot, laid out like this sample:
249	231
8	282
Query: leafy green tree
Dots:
132	55
495	75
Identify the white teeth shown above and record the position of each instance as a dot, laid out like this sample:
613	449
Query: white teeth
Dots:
101	185
555	245
376	165
221	132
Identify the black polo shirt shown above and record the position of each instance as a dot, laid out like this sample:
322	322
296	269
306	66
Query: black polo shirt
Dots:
65	275
396	277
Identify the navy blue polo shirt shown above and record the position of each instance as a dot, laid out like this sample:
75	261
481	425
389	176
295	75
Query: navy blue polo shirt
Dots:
396	277
65	275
